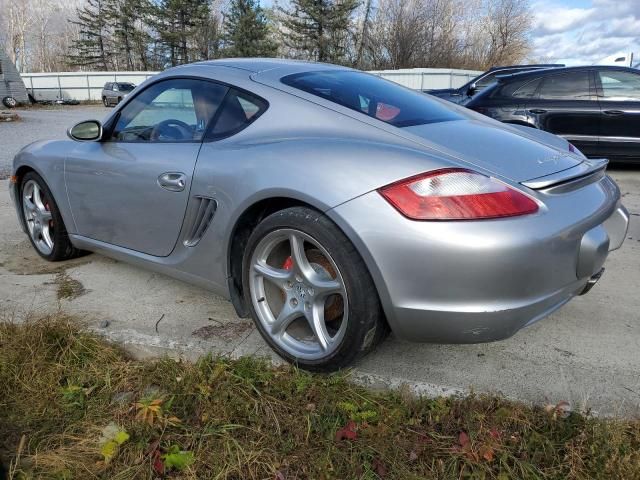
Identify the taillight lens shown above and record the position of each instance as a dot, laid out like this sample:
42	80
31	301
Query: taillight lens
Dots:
456	194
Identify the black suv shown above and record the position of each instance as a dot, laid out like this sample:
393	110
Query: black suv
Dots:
596	108
464	93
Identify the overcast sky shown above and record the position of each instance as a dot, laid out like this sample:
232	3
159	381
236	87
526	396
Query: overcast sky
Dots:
585	31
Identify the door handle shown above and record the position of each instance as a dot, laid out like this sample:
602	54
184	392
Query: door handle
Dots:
173	181
613	112
537	110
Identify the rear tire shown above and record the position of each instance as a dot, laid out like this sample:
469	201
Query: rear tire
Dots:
309	291
41	215
104	101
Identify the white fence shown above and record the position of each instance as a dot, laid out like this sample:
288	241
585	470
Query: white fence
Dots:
76	85
88	85
428	78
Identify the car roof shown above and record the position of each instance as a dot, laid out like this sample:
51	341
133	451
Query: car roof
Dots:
553	71
257	65
532	66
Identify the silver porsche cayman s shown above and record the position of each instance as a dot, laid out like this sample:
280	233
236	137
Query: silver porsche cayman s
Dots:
328	204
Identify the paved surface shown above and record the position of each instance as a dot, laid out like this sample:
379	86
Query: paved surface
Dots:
41	123
587	353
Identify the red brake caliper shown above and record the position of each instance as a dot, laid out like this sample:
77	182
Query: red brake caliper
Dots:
288	263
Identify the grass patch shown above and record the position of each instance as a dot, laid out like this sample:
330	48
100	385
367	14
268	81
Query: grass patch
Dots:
68	288
73	406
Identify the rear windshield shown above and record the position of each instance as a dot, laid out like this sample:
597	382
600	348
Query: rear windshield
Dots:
373	96
126	87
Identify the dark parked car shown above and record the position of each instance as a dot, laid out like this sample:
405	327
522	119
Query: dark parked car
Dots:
114	92
597	108
464	93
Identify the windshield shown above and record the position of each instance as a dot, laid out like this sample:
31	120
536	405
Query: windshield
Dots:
126	87
381	99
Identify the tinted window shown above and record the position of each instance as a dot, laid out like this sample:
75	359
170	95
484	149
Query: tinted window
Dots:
617	85
238	110
569	86
107	86
489	79
373	96
125	87
486	80
528	90
170	111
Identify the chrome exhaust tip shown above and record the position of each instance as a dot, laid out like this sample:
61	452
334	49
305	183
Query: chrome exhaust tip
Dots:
592	281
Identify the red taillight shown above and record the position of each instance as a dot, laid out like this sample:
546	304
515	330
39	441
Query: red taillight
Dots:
456	194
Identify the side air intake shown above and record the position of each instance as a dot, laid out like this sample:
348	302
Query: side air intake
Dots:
204	209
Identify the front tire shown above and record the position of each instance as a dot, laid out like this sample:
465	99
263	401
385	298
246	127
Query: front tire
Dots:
104	101
10	102
42	218
309	291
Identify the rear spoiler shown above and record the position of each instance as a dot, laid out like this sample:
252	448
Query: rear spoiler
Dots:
585	169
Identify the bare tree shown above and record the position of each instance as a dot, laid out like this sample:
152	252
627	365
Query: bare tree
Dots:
36	33
509	23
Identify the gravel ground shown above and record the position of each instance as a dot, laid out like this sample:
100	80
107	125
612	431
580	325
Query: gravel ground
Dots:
38	124
586	353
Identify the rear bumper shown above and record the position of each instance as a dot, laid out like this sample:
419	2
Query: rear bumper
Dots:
468	282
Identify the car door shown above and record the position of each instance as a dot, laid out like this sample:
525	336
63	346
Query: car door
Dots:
619	98
566	105
132	188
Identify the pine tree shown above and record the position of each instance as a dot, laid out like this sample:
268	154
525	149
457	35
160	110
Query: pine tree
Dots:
93	47
247	31
178	22
130	38
318	28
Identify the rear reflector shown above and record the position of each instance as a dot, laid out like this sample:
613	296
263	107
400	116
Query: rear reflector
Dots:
456	194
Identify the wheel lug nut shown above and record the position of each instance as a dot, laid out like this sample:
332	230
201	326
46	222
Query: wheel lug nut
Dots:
294	302
307	305
289	284
298	279
310	291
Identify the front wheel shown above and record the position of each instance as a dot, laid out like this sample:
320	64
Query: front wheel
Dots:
310	293
104	101
44	223
10	102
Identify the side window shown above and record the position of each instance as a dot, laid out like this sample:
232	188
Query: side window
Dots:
618	85
107	86
491	78
528	90
487	80
566	86
177	110
238	111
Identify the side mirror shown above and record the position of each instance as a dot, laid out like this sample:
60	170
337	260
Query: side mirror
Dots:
472	89
87	131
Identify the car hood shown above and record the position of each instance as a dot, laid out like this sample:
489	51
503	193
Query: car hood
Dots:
499	149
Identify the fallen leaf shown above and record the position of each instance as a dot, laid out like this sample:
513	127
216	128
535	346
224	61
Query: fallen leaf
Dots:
494	433
463	439
279	475
413	456
487	453
347	432
379	467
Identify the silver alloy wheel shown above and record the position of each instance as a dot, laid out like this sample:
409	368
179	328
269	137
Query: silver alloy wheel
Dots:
292	294
38	217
